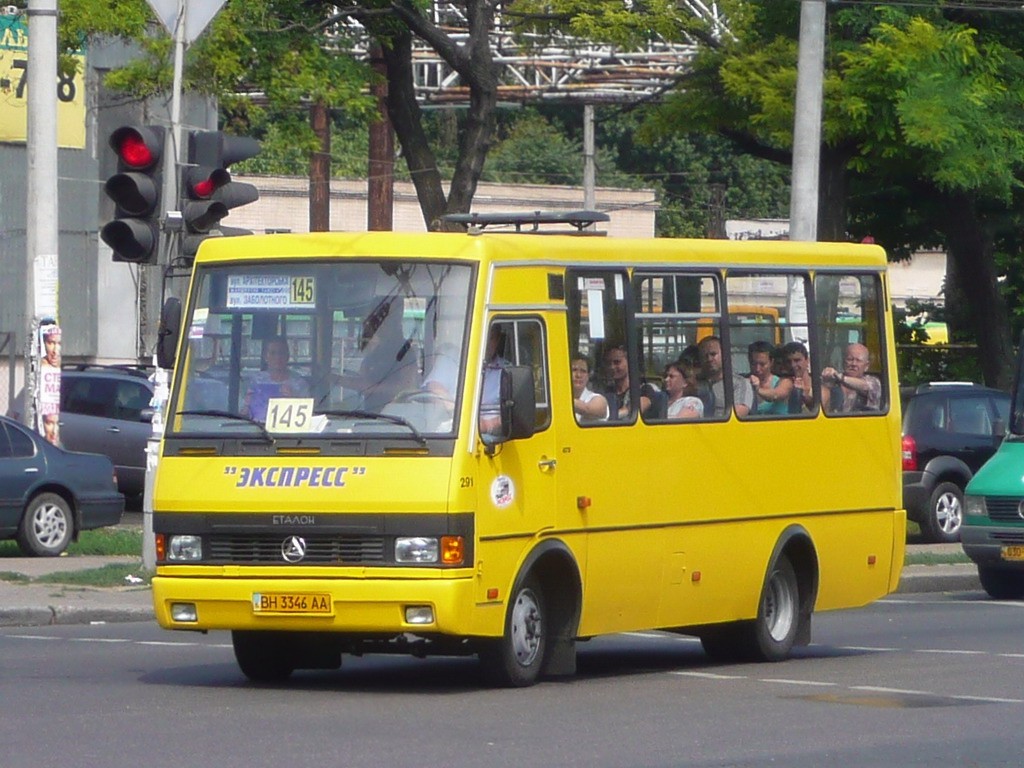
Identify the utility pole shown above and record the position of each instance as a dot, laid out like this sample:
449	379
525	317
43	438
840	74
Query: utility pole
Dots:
380	189
43	230
810	75
589	166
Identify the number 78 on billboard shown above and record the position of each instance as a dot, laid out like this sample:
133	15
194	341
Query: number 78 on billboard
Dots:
69	90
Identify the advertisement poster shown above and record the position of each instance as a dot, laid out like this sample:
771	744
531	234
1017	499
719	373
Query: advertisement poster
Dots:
48	395
69	89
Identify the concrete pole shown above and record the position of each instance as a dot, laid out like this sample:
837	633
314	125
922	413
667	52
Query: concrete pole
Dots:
589	165
43	228
803	206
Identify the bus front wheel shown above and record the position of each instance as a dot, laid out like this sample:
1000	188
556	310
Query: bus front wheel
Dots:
263	657
515	660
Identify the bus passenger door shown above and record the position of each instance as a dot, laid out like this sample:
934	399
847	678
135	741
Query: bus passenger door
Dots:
517	478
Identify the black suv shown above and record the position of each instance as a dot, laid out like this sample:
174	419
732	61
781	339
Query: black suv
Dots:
949	431
105	409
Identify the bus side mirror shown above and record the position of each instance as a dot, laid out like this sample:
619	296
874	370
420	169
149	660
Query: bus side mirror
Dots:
518	407
519	401
168	333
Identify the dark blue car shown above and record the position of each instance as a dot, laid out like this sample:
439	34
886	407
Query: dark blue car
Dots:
49	495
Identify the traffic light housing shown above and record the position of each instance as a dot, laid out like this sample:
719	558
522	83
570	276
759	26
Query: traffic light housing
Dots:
134	233
207	192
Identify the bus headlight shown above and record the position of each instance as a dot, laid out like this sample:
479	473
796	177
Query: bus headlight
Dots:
184	549
416	549
975	506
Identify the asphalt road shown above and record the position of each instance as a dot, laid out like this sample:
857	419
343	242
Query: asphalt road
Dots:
931	679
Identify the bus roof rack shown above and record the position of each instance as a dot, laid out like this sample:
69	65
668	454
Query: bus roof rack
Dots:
477	222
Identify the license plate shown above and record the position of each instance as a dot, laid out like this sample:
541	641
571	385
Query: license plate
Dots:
292	602
1013	552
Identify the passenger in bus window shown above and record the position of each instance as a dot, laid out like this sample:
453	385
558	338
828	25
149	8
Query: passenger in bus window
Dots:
276	380
802	396
675	390
854	389
589	406
690	408
771	391
713	382
689	366
616	363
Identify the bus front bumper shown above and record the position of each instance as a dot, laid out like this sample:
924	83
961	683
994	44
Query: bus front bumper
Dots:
355	606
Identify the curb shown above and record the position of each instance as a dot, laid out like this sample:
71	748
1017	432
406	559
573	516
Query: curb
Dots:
61	614
917	579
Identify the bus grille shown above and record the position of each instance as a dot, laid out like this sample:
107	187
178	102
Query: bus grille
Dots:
1004	508
326	550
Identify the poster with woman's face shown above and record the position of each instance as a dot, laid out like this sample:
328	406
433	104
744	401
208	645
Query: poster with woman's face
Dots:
48	392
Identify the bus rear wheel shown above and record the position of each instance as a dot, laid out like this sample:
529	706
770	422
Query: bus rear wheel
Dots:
771	635
263	657
516	659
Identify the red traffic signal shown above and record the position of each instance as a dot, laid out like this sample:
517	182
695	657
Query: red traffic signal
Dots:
138	147
208	194
134	233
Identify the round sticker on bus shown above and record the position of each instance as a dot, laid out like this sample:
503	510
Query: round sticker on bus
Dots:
503	491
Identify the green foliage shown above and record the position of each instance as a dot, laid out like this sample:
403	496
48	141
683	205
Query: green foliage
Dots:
533	151
118	540
110	575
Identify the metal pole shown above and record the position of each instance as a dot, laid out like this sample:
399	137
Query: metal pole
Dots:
172	145
172	162
43	229
803	207
589	166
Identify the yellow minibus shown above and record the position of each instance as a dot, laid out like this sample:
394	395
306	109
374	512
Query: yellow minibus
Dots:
462	444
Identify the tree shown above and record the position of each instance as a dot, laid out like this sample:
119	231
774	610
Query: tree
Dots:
919	107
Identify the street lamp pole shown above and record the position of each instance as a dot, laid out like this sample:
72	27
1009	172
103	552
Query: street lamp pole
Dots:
803	208
42	230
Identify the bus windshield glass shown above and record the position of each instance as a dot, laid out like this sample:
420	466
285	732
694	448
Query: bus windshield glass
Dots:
357	348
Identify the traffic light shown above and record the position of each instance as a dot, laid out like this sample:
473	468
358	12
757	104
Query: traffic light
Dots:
134	234
208	193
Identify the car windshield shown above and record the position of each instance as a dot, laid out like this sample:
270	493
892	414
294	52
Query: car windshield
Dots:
324	348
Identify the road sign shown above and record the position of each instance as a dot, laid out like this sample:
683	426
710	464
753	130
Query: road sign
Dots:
198	13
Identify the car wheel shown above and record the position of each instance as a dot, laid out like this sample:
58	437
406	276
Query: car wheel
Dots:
515	660
46	526
264	657
1001	584
945	515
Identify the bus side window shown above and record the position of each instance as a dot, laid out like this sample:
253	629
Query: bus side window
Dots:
769	335
517	342
596	302
850	316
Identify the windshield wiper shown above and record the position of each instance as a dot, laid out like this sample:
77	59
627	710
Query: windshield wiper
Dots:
229	415
383	416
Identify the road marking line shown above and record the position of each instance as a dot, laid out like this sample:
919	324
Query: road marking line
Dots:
864	648
710	675
787	681
958	652
33	637
99	639
168	643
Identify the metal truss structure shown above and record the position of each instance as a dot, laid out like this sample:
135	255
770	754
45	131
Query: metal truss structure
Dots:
559	67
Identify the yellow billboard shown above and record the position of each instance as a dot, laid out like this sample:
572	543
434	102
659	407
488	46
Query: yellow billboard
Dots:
70	91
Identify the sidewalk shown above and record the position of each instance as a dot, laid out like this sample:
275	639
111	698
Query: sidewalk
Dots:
32	605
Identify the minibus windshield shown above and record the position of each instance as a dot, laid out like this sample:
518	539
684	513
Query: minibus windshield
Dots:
360	348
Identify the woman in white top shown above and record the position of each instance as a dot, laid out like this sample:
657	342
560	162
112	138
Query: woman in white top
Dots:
588	405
